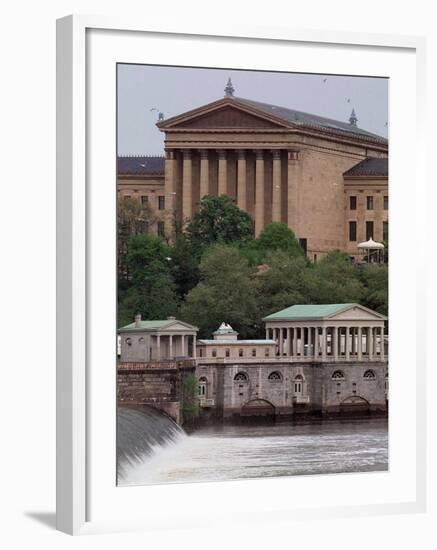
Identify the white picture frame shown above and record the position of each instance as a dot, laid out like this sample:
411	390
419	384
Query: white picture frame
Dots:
79	424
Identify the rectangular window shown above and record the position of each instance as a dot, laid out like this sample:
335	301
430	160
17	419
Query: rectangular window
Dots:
214	353
144	199
352	231
385	202
161	202
200	352
127	197
254	353
161	229
240	353
267	352
228	353
369	230
370	203
385	231
352	203
303	243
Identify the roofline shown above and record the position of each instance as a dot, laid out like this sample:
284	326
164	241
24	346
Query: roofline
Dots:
166	125
211	342
367	177
213	106
349	306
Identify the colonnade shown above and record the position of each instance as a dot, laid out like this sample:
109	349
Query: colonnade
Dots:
170	346
222	156
329	342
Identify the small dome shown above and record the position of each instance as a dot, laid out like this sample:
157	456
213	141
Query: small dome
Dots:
371	244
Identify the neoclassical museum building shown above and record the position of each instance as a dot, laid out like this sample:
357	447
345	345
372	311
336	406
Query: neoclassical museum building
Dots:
316	359
326	179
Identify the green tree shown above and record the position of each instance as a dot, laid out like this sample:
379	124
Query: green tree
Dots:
133	218
284	283
226	292
375	280
219	220
278	236
152	292
334	279
184	266
190	397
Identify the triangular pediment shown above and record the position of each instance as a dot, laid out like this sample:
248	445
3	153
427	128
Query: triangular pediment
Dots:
179	326
221	115
357	312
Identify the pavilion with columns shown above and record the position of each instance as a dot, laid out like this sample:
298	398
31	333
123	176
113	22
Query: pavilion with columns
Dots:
157	340
329	332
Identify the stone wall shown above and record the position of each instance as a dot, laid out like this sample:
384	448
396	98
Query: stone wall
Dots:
156	384
278	385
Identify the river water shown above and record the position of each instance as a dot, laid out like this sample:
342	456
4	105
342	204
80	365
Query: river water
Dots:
232	452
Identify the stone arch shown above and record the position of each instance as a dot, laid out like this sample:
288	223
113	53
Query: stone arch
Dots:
354	404
258	407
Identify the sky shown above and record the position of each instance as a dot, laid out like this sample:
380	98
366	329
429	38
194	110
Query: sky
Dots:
145	90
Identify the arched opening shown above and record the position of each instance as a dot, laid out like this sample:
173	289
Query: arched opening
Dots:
354	404
203	386
258	407
275	376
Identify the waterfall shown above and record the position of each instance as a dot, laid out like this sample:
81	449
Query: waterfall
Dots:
140	433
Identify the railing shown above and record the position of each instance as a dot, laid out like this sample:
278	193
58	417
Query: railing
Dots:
206	402
159	365
287	359
301	399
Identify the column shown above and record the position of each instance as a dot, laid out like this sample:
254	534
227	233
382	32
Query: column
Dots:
290	344
276	194
241	180
281	342
347	343
292	190
187	186
158	347
259	192
267	334
360	344
183	345
335	342
204	173
309	341
222	173
170	346
194	347
370	342
324	343
381	345
170	189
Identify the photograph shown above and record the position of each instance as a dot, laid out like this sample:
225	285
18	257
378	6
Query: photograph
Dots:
252	274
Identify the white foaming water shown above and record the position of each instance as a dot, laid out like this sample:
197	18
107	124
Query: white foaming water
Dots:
241	452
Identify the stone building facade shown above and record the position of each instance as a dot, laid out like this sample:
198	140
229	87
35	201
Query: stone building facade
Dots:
278	164
317	359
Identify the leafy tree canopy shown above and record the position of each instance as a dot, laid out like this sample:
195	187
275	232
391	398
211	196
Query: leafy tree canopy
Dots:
334	279
226	292
184	266
278	236
283	284
219	220
152	292
375	280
